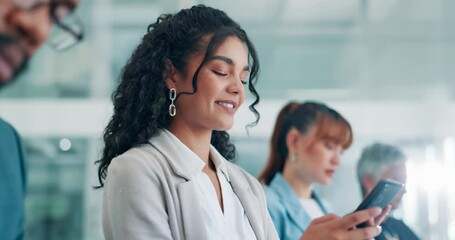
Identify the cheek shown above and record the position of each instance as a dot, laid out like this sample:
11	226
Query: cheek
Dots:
311	160
317	153
242	96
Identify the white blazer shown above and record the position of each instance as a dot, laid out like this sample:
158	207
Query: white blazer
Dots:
149	194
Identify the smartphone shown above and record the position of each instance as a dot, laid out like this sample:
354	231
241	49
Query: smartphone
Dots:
381	195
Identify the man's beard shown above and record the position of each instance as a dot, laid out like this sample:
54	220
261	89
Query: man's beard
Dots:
7	42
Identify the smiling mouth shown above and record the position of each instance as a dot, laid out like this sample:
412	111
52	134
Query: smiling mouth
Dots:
6	70
226	104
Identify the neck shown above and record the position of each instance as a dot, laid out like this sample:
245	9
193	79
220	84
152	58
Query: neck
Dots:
301	187
196	140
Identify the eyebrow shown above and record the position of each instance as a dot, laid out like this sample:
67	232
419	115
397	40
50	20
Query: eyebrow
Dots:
228	61
332	139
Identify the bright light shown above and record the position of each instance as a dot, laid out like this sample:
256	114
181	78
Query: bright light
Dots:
449	151
64	144
432	177
409	202
451	229
448	148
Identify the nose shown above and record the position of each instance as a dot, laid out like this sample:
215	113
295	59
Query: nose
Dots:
235	86
30	27
336	159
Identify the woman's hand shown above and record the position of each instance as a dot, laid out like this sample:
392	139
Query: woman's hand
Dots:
343	228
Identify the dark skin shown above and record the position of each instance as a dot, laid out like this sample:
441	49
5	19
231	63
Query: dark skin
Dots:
23	29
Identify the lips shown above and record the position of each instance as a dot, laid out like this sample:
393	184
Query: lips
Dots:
330	172
6	70
11	59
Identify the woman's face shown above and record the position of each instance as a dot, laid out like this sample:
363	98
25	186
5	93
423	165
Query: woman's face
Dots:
220	88
316	159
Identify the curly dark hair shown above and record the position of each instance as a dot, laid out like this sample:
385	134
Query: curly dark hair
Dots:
141	100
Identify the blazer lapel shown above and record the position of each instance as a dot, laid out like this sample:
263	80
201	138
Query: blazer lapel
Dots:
177	154
181	160
290	201
193	214
249	202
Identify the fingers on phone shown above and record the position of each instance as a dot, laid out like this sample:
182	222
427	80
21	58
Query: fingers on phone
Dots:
356	218
365	233
325	218
379	219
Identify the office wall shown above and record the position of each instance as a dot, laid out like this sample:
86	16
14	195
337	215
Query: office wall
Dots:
384	64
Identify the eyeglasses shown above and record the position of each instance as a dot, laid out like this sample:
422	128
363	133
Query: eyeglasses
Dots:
68	29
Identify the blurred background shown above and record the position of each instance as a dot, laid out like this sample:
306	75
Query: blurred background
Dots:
386	65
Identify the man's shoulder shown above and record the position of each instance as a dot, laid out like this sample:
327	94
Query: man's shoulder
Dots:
5	126
400	226
8	133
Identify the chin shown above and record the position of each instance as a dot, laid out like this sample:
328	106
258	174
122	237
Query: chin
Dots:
224	126
325	181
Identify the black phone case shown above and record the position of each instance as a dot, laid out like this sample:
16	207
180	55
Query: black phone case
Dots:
381	195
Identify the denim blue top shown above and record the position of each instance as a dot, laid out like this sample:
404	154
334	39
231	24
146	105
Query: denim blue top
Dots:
288	215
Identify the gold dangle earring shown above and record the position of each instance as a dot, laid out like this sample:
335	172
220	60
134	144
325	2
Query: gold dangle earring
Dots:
172	96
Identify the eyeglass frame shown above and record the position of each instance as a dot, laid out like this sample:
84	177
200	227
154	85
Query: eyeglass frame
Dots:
53	15
78	36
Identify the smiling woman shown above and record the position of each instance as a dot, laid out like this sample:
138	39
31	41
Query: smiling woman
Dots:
164	166
220	90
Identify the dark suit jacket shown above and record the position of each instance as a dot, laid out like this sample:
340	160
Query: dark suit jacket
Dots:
12	183
396	228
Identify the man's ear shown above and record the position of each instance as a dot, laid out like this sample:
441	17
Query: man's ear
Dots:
169	74
291	140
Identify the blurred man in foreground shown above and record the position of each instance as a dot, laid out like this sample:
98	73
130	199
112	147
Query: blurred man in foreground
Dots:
24	26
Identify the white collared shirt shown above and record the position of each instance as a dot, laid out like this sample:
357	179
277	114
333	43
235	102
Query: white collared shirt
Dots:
233	223
312	207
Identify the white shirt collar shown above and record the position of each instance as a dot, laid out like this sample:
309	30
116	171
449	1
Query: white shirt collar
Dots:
219	162
192	162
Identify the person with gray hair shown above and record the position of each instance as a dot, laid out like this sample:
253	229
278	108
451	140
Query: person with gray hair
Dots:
379	161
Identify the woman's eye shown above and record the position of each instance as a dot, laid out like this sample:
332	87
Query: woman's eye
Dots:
243	82
329	146
219	73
